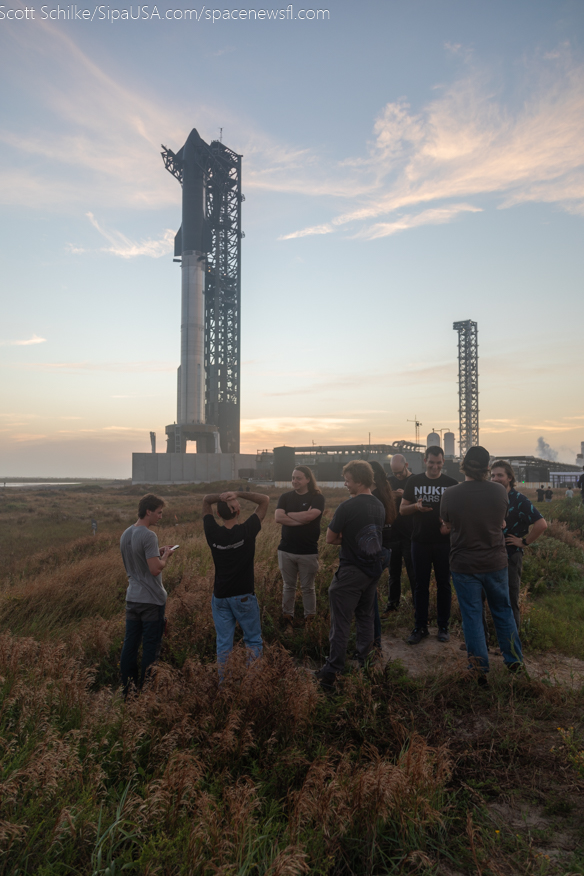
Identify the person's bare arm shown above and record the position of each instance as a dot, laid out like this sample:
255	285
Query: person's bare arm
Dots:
407	508
157	564
282	519
208	501
305	516
333	537
261	500
534	533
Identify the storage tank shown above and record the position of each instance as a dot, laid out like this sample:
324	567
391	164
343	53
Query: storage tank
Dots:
449	444
433	440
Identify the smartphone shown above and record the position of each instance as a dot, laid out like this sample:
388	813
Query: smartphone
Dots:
174	547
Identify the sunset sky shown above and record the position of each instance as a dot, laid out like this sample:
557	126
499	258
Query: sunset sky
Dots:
405	165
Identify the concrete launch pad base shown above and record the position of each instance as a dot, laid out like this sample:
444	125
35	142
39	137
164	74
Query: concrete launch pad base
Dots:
189	468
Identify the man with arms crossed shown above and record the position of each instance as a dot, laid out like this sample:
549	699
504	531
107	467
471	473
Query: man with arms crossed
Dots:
299	512
233	550
520	516
144	561
474	514
430	547
401	535
357	527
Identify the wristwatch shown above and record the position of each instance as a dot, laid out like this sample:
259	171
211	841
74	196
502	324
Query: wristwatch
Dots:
523	542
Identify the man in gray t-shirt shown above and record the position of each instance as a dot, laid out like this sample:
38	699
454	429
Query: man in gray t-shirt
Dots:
145	596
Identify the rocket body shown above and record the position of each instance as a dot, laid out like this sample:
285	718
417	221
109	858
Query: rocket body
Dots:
191	375
192	243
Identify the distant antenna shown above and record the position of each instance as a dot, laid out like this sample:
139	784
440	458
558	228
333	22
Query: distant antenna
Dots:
418	424
221	135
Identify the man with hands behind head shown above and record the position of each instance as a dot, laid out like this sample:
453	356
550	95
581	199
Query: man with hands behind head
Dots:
233	549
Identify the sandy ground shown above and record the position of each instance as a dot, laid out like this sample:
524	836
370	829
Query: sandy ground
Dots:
432	656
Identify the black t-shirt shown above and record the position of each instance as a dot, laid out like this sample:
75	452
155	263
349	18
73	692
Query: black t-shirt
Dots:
540	495
401	528
386	533
301	539
580	482
426	525
361	520
233	554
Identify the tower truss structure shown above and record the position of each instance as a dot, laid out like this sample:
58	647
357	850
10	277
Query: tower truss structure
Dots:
211	233
468	384
223	295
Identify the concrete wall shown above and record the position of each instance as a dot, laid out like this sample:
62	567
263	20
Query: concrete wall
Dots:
188	468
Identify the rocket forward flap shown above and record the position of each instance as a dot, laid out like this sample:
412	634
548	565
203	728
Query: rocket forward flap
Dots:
178	243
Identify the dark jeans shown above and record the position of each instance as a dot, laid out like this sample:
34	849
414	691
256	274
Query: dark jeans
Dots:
424	556
376	615
514	571
400	550
351	592
144	623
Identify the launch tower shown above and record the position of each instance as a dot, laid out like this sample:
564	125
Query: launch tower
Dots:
208	247
468	384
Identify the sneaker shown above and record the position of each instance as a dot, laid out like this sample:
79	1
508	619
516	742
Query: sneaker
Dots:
482	680
325	679
287	624
443	634
514	667
391	606
418	633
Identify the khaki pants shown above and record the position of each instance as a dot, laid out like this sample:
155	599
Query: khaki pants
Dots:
292	567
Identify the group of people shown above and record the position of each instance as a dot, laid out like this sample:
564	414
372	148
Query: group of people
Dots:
472	532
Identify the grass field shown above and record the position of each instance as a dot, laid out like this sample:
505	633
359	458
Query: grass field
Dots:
265	775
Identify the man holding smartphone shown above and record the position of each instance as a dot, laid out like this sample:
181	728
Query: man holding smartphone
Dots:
144	561
430	548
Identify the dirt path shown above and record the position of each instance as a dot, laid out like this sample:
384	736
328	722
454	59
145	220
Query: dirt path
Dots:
431	656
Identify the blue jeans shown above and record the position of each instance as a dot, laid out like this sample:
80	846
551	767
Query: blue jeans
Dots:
424	556
144	623
226	612
469	592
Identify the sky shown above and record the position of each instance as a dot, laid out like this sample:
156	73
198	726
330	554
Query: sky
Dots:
406	164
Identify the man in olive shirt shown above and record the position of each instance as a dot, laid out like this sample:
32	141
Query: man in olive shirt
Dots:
474	515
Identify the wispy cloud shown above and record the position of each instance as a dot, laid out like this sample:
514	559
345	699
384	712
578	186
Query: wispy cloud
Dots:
122	246
80	367
475	139
27	343
432	216
306	232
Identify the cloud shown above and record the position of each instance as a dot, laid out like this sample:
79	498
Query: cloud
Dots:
305	232
421	373
433	216
122	246
122	367
29	342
